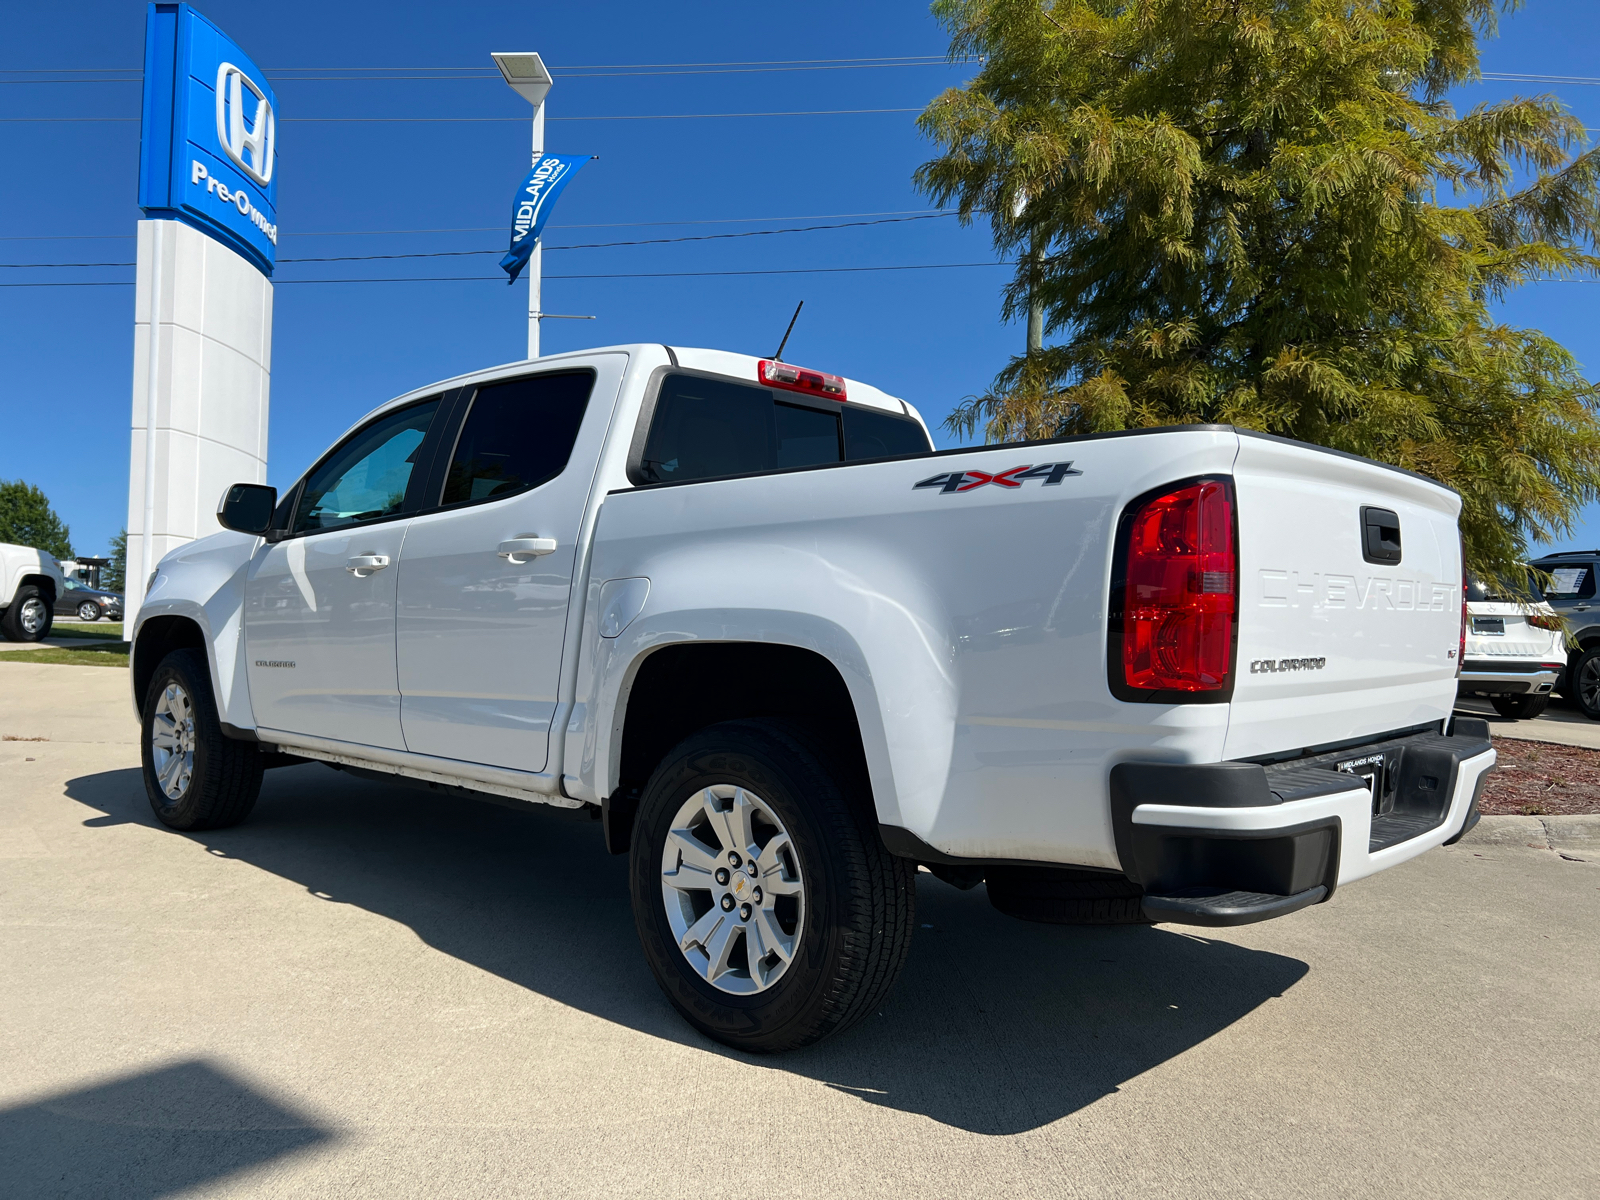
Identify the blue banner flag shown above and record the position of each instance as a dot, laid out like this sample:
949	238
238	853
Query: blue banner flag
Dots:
533	203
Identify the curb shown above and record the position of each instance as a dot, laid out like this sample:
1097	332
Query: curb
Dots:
1542	833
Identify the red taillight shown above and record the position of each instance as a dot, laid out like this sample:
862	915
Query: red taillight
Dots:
1179	592
1549	621
799	379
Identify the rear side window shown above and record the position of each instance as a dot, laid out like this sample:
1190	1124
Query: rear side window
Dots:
706	428
517	435
1570	583
869	433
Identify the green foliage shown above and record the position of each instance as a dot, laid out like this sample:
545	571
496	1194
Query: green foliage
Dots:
114	577
26	519
1238	206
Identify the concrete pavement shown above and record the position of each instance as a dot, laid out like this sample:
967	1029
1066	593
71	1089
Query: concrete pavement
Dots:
371	991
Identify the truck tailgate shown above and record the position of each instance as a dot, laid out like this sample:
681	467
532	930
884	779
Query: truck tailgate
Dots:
1337	639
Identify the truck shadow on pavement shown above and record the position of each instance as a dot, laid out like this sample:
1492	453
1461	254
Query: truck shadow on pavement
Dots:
152	1133
997	1026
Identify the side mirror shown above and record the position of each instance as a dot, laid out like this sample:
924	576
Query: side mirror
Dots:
247	508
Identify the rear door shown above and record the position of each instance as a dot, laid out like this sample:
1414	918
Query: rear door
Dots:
486	577
1350	599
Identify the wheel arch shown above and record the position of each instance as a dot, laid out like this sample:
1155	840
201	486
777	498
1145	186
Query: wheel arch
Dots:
672	690
44	583
157	637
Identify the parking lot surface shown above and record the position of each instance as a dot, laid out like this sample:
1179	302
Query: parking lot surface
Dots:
370	991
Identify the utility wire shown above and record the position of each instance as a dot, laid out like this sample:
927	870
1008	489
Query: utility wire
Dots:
902	212
814	112
704	237
630	275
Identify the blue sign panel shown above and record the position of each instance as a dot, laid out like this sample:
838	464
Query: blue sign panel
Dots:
207	151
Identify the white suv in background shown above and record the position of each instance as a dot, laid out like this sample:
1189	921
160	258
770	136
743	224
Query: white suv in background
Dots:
1514	653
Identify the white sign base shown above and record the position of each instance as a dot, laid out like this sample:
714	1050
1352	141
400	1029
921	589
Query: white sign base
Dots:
202	346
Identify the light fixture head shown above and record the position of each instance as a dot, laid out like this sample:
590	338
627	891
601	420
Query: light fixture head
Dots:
526	74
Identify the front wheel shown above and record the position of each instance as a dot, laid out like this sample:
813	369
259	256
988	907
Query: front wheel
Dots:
88	611
768	907
1583	682
29	617
195	777
1519	708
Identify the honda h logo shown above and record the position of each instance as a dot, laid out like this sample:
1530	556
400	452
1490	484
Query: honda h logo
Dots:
259	138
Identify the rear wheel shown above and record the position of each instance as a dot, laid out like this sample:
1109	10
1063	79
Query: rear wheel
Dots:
195	777
1519	708
88	611
768	907
1062	896
1583	682
29	617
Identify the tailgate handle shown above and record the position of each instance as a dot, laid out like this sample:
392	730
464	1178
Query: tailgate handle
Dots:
1380	535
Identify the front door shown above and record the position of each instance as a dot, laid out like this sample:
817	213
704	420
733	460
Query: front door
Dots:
320	604
485	580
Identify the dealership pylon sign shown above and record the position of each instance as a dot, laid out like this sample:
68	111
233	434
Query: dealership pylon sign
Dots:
203	314
209	140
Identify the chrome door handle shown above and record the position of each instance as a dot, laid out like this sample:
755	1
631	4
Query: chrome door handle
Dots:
518	550
363	565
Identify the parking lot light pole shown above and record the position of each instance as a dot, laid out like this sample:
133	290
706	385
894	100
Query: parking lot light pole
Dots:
528	77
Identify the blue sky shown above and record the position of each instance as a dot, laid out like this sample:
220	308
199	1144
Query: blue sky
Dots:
932	336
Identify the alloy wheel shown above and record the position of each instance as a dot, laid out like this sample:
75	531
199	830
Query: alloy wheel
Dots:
172	741
734	895
34	615
1589	684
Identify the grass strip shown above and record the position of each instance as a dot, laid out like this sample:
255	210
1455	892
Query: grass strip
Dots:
115	655
96	630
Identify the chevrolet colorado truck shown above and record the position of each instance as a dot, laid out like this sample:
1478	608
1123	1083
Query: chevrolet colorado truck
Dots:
30	582
788	654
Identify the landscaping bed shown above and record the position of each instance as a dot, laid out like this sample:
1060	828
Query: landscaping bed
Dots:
1540	779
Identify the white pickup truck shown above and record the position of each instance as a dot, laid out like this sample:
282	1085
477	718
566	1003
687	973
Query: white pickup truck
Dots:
788	653
30	582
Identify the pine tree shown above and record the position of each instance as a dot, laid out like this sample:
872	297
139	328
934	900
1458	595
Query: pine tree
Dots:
115	576
1263	213
26	519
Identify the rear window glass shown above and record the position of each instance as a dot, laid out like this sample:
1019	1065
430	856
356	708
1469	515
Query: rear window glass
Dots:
1570	583
517	435
705	428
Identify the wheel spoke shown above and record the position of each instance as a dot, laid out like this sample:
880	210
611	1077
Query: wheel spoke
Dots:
771	934
771	864
720	948
163	732
702	929
170	772
692	852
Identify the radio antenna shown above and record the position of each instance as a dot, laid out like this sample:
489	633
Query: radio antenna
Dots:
777	355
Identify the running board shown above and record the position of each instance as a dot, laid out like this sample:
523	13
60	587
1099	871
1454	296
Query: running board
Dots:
1214	906
517	785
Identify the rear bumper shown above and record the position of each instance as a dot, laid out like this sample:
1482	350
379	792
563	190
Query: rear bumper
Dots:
1507	679
1232	843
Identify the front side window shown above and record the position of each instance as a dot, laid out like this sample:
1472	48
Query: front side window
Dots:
366	477
707	428
517	435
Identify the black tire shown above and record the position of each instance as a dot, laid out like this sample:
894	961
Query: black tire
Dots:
1519	708
1583	682
29	607
89	611
1062	896
225	778
860	900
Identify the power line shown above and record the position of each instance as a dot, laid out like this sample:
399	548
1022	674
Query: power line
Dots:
627	275
816	112
705	237
899	212
1520	77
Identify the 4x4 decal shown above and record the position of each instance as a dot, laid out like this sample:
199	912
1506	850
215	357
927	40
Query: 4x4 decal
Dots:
965	481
